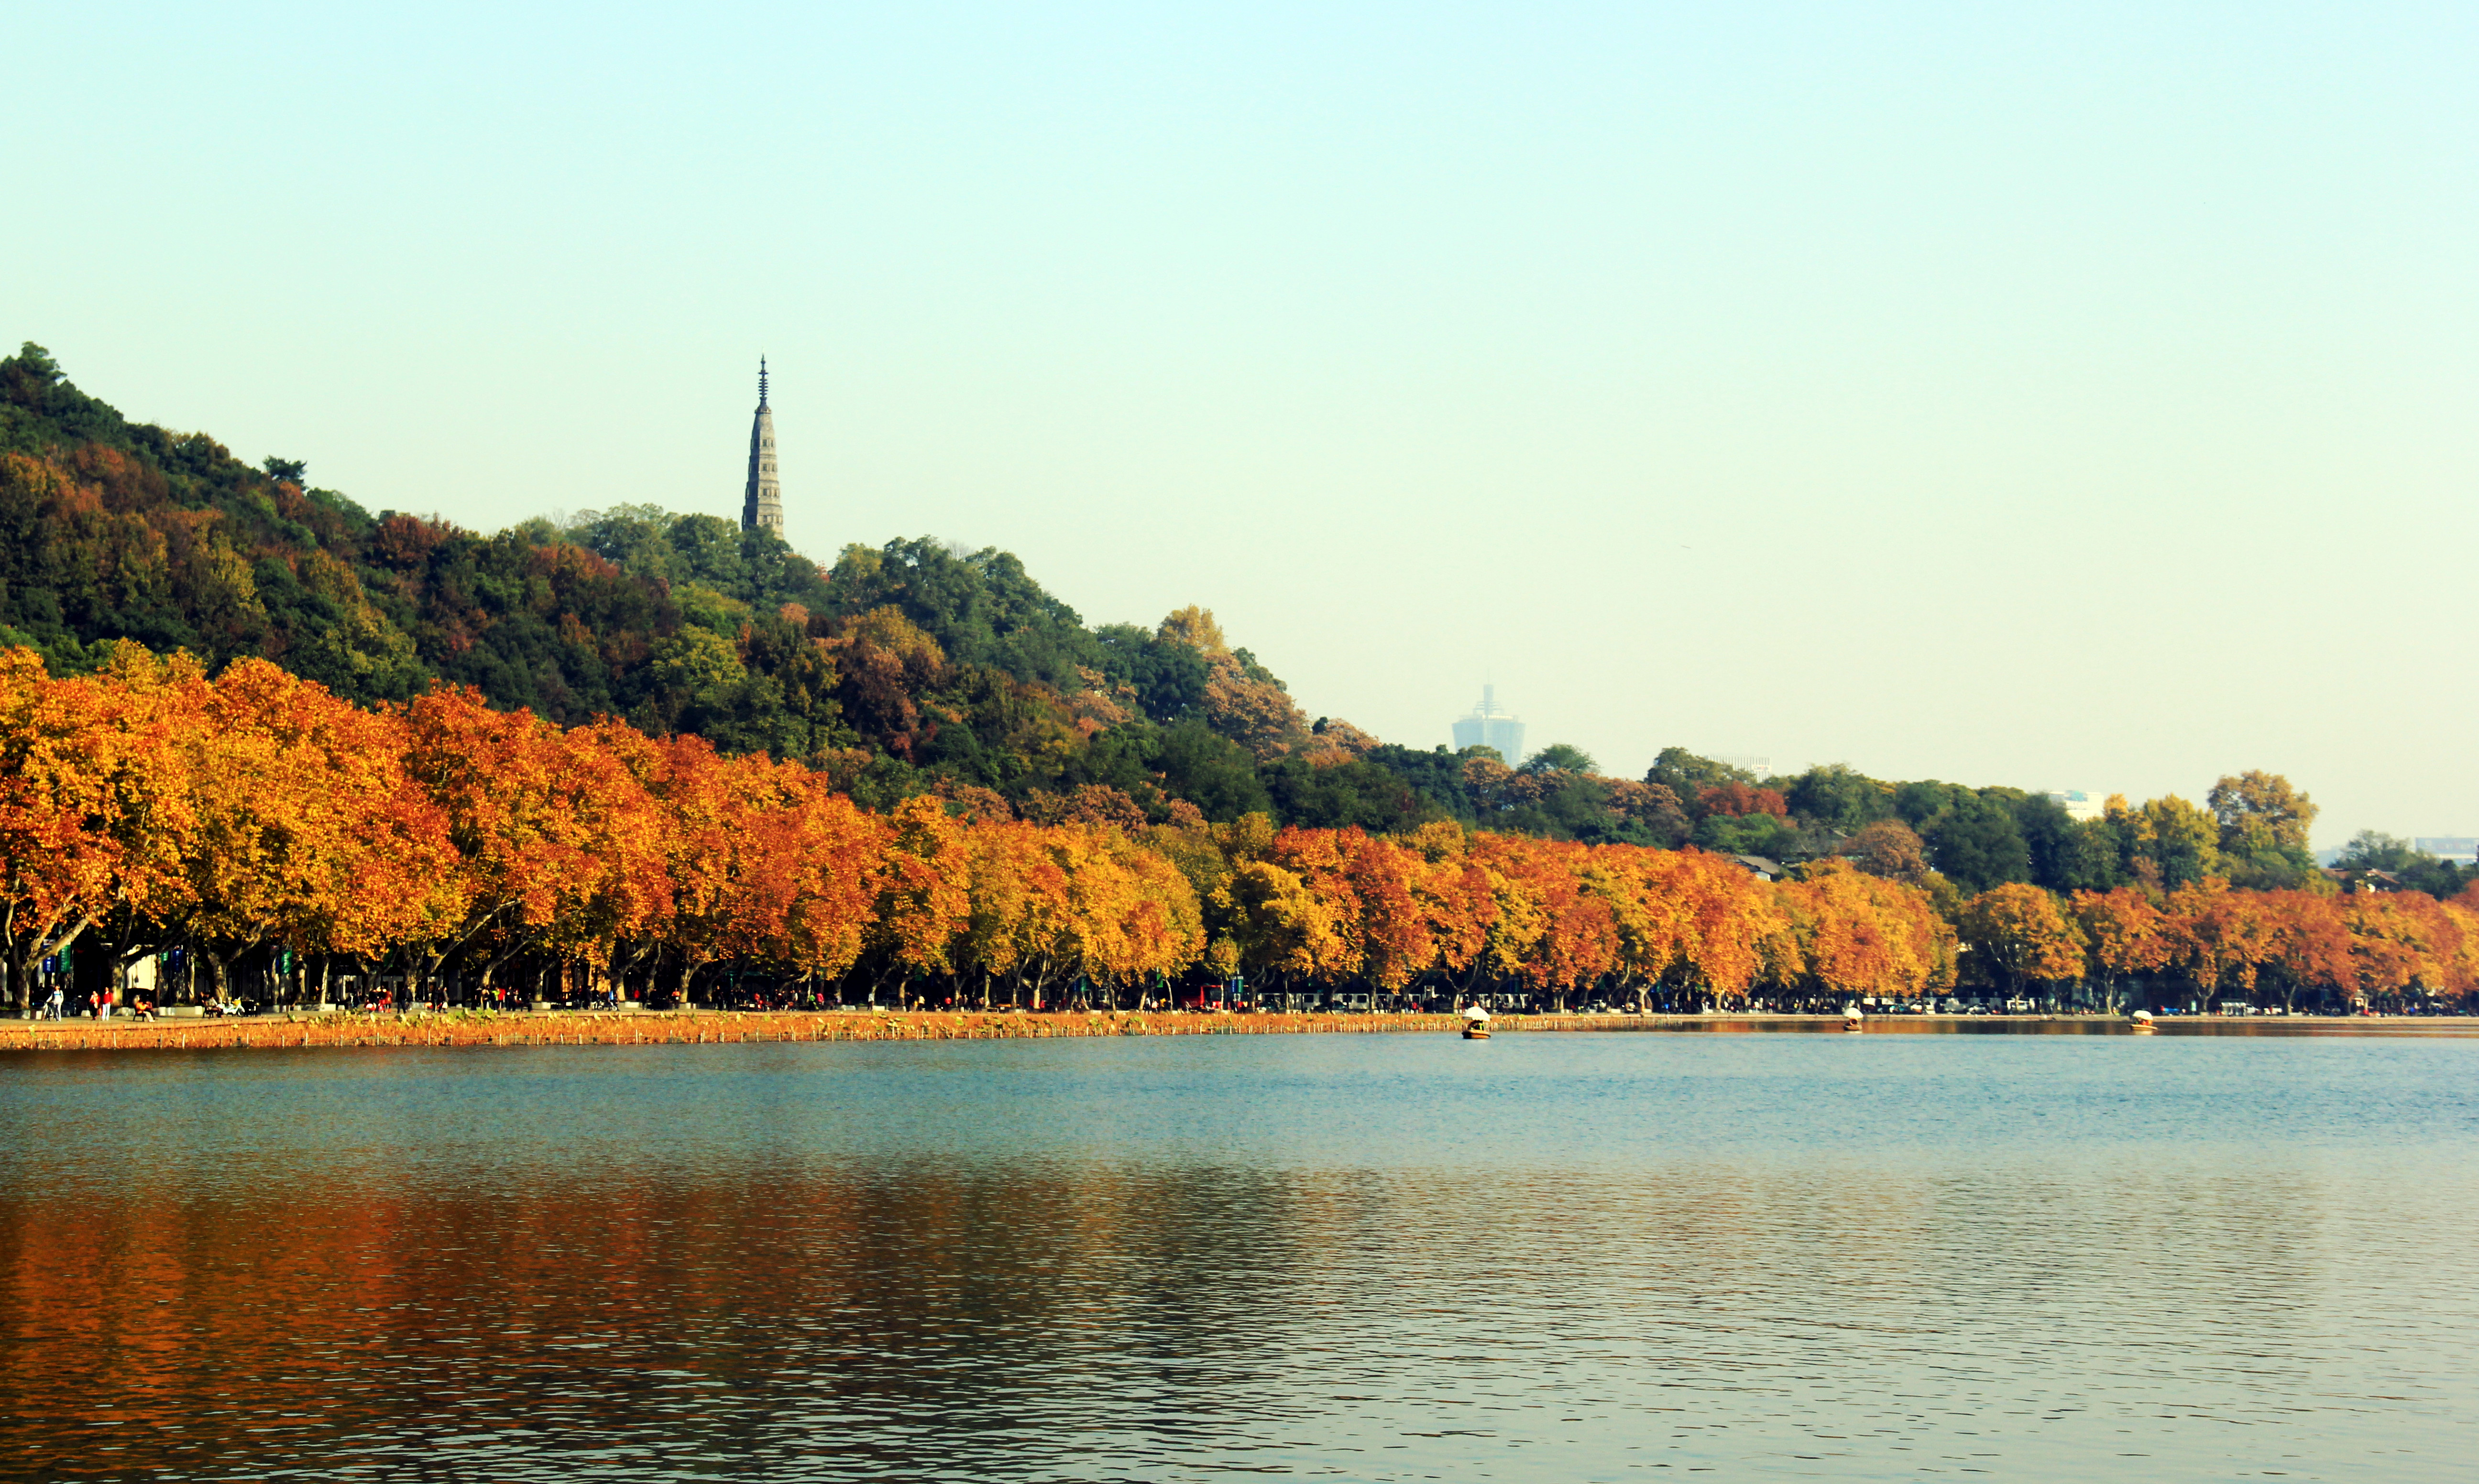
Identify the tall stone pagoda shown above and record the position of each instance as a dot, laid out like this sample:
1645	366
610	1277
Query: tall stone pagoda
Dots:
764	502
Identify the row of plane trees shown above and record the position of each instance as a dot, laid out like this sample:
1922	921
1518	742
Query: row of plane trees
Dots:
253	818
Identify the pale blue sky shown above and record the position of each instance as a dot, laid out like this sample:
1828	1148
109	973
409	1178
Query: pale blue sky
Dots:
2068	396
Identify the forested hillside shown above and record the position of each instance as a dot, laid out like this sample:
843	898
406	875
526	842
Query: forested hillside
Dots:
915	668
922	668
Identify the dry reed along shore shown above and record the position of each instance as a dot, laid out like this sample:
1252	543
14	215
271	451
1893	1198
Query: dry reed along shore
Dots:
624	1028
659	1027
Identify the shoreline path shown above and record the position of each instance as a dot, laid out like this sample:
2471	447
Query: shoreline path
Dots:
655	1028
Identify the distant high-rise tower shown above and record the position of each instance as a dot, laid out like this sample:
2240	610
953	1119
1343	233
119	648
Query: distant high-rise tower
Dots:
763	504
1486	726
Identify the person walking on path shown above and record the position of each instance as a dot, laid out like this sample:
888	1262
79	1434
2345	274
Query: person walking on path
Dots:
57	1002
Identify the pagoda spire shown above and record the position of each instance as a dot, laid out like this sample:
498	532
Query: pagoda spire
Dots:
762	501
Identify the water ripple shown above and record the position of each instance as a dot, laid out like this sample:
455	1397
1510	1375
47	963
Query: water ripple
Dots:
1554	1257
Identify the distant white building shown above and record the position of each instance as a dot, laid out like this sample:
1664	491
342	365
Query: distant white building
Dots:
1487	725
2079	806
2460	849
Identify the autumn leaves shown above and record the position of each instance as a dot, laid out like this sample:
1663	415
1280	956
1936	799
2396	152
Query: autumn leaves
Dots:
255	812
255	816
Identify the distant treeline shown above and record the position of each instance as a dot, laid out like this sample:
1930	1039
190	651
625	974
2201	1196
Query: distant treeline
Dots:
259	826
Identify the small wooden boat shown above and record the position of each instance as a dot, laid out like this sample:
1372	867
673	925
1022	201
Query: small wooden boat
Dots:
2142	1019
1474	1031
1852	1019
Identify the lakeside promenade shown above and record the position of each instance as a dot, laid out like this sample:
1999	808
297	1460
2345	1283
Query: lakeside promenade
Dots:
657	1028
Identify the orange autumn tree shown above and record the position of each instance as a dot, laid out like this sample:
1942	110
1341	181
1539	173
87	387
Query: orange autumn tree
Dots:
1132	916
2019	934
1520	918
2311	945
2458	967
921	899
1397	926
1051	906
766	868
1730	920
1287	932
2224	937
626	890
560	840
307	833
708	806
1454	898
1651	924
1860	935
2125	936
147	712
1581	946
2403	943
812	860
94	799
1370	889
1016	923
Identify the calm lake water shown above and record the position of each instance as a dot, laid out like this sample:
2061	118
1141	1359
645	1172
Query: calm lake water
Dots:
1615	1257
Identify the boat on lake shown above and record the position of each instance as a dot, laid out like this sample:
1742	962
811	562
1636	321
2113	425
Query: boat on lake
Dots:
1475	1023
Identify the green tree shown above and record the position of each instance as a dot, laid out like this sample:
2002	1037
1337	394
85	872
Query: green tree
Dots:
695	673
1437	776
1350	793
1560	805
1917	803
2260	812
1839	797
1560	757
2263	822
1687	774
1167	676
2174	844
1747	835
980	606
1976	843
2094	859
1211	772
2051	841
2373	850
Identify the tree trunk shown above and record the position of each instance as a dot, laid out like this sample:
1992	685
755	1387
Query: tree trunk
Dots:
25	949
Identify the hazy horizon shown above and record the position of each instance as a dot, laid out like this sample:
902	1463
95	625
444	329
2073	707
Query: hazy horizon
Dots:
2071	398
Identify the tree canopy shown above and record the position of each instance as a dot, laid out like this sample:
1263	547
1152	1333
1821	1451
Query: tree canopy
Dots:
933	668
